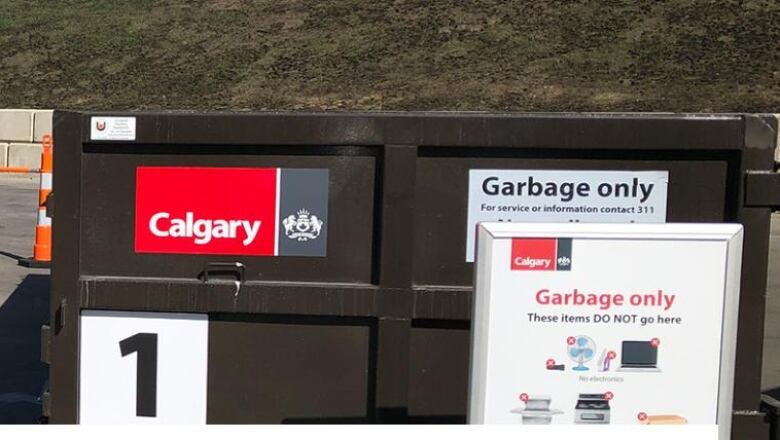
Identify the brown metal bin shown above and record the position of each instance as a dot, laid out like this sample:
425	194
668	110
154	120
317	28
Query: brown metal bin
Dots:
377	331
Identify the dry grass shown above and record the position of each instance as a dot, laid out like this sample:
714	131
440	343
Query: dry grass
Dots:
608	55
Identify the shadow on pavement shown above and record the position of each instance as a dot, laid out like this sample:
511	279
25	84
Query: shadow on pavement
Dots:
22	374
10	255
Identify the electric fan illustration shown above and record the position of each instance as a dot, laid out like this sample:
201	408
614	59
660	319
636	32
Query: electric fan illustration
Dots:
581	349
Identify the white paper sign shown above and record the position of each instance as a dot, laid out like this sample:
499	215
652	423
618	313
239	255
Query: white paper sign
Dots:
605	324
110	128
564	196
138	367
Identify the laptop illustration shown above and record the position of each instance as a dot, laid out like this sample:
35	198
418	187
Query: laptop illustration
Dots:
639	357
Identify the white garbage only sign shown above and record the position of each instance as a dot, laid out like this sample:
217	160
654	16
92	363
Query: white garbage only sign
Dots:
609	324
563	196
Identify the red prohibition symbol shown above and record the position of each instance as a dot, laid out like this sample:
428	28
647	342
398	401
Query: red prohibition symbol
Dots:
570	340
641	416
608	395
655	342
524	397
611	355
550	363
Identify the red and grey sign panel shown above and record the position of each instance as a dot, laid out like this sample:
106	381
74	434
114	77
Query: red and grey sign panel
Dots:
541	254
232	211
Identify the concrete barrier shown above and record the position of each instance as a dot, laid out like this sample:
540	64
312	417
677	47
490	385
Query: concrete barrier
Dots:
41	124
3	155
16	125
24	155
21	131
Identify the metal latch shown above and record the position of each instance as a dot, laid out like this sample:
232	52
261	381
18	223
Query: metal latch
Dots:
45	405
762	189
234	270
46	344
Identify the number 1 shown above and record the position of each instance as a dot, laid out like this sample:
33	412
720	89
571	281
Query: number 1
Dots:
145	344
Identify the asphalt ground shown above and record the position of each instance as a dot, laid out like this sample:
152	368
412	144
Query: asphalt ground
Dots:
24	299
24	295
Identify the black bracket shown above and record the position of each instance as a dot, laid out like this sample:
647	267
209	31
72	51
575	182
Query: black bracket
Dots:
49	204
59	316
762	189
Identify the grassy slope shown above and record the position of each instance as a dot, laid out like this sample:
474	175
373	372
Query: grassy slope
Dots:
673	55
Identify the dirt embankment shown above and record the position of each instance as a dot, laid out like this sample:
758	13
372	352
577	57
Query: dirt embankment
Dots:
495	55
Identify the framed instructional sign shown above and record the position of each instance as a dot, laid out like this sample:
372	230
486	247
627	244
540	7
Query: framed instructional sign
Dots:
605	324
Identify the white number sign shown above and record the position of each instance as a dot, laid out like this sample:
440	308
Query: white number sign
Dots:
140	367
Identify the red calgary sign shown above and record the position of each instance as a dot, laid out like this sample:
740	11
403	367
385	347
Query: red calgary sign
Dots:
533	254
206	210
541	254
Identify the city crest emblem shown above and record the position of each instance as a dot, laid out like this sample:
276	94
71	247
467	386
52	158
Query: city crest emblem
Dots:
304	227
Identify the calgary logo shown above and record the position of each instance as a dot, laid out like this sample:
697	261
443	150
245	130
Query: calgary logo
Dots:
202	231
184	210
541	254
304	227
100	125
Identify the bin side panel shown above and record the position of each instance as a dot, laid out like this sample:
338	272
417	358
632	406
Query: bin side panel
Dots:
760	139
64	304
273	372
439	373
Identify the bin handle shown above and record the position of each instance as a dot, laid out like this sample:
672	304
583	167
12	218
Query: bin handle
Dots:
236	268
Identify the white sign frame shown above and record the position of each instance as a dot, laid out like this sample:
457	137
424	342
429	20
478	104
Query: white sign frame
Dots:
490	234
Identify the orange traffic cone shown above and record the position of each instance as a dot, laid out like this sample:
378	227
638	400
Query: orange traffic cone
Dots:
42	248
